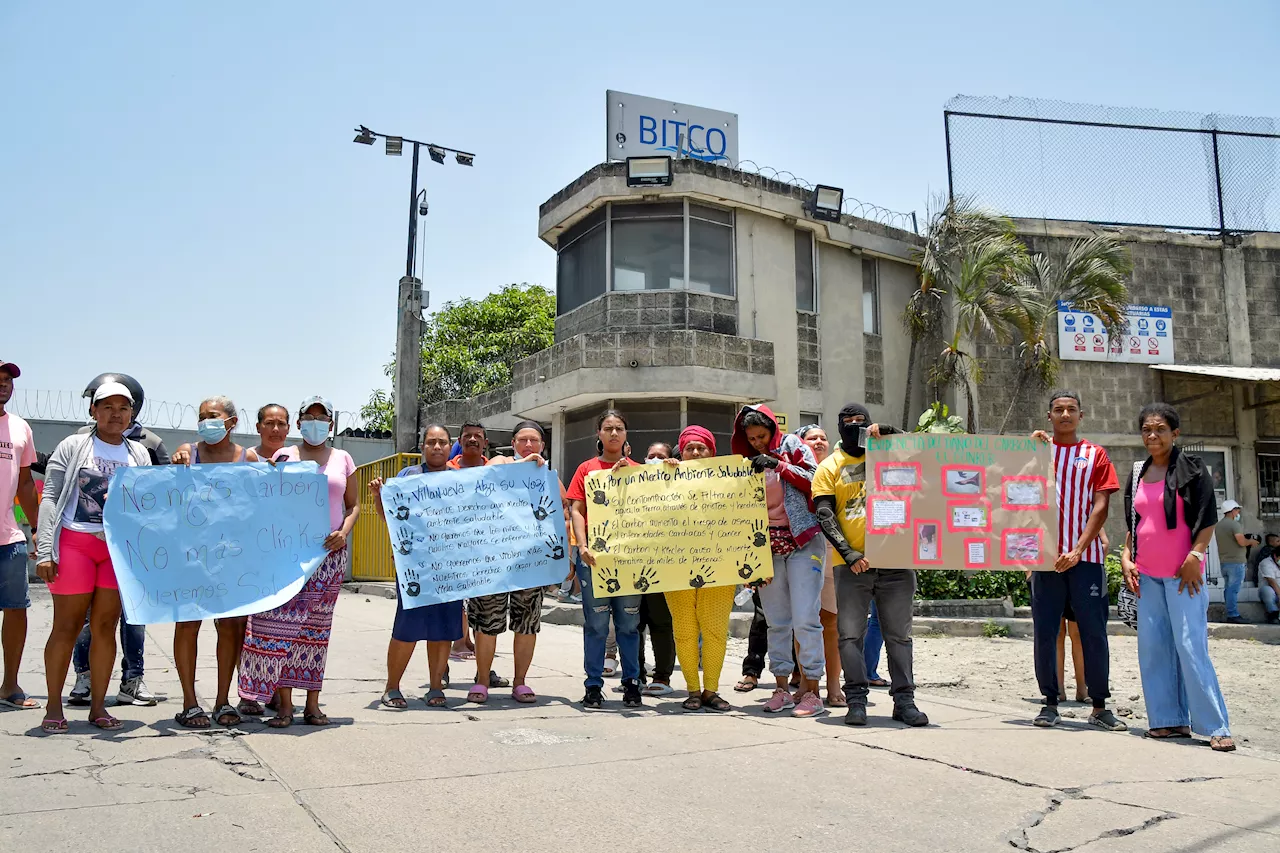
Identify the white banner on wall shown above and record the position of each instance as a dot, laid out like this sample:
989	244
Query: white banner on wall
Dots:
649	127
1148	338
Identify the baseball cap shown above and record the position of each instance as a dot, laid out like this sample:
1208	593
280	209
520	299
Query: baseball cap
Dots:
311	401
10	368
1229	506
112	389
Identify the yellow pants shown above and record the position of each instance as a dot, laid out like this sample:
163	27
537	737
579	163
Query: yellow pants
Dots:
706	612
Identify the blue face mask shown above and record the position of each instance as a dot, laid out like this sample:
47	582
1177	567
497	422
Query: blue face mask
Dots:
212	430
314	432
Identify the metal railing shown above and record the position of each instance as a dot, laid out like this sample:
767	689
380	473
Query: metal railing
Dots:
371	558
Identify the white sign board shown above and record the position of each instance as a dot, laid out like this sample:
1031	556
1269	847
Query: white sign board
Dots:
649	127
1148	338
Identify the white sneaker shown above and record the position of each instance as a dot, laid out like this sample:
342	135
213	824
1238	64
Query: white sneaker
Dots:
135	692
80	693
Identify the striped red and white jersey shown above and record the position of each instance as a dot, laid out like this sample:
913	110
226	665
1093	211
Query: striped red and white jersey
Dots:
1082	470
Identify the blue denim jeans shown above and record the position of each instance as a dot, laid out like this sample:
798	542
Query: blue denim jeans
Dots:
1178	679
625	610
132	639
1270	601
791	602
1233	574
14	589
871	645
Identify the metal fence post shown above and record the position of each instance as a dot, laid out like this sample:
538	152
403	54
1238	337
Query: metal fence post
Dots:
946	125
1217	181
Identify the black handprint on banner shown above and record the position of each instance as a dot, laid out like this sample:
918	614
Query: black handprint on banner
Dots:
406	539
542	509
748	570
698	578
758	494
645	579
598	542
610	577
599	498
402	513
412	588
758	537
555	550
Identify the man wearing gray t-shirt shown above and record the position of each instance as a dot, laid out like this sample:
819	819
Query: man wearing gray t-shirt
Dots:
1232	550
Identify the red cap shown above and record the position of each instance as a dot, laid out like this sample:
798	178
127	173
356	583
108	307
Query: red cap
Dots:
10	368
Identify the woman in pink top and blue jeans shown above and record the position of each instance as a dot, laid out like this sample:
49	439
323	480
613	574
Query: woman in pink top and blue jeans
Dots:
1171	510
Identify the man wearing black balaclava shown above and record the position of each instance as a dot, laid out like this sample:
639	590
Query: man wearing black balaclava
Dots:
839	494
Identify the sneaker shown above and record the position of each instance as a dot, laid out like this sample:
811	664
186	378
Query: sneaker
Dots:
778	702
911	715
1104	719
1237	620
80	693
1047	718
135	692
631	697
856	715
1273	618
594	700
810	706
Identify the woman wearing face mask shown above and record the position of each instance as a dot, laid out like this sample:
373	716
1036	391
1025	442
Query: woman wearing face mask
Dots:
439	625
1171	511
287	648
217	418
793	598
273	429
71	551
701	613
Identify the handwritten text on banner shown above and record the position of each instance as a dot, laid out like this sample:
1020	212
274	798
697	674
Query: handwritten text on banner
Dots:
208	541
657	527
475	531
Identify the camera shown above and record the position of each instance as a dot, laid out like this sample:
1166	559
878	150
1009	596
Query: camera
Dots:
422	207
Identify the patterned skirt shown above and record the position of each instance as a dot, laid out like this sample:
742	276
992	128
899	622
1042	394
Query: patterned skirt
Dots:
289	646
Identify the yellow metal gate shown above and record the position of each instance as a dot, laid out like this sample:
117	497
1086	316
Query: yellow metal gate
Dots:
370	543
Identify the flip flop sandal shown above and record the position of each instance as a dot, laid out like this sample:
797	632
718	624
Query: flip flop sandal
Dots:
496	680
657	688
611	668
187	719
250	708
53	727
1222	743
879	682
107	723
315	719
391	698
717	703
1169	734
280	722
19	701
466	654
434	699
693	703
837	701
224	711
479	694
524	695
746	684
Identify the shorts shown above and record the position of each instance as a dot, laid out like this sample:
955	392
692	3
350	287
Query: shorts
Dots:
828	584
434	623
13	577
84	564
488	613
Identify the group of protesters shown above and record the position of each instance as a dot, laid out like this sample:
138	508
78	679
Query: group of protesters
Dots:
815	617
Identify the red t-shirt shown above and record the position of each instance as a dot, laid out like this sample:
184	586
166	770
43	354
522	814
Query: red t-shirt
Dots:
578	486
1082	470
456	463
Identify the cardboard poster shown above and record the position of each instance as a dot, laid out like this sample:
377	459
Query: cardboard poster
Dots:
657	527
976	502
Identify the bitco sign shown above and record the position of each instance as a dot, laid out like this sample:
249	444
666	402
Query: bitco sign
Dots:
647	127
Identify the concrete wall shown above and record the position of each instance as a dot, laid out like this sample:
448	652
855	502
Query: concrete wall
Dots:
766	282
897	282
840	322
1262	275
657	310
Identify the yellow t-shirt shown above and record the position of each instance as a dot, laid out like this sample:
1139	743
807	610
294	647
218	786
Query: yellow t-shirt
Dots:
844	477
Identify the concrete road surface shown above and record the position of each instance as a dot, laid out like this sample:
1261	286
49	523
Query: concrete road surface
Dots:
551	777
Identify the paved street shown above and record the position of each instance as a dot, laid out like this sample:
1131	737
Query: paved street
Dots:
551	777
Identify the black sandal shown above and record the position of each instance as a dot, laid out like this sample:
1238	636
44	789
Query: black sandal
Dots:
315	719
716	702
693	703
279	722
189	718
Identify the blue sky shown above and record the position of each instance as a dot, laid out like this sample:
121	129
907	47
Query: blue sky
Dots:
183	201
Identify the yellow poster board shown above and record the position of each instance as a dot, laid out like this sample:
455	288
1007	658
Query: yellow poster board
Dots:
663	527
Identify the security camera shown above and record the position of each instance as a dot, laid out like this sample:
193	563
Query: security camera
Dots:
635	363
422	207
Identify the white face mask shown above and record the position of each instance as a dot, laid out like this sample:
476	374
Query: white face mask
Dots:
314	432
654	461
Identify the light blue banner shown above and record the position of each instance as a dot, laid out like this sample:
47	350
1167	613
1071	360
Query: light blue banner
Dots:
208	541
475	531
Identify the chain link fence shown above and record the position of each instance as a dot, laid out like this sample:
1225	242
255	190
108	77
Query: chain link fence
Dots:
1114	166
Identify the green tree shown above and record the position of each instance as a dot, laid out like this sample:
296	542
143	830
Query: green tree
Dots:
1090	278
469	346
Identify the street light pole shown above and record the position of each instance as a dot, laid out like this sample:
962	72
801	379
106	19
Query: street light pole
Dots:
408	371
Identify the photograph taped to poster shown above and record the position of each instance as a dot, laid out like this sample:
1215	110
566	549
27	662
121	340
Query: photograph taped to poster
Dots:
975	502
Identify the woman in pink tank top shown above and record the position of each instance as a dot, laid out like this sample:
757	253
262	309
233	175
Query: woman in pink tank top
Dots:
1171	510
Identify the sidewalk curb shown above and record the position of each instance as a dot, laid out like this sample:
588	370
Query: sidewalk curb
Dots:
556	613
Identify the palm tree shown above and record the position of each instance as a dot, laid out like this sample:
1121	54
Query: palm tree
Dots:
1090	278
954	224
989	299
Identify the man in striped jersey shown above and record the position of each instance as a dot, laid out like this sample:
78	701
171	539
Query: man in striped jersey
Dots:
1085	480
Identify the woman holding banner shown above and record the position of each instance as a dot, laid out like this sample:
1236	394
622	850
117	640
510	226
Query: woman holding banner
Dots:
792	599
218	417
439	625
71	550
611	428
701	612
288	647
